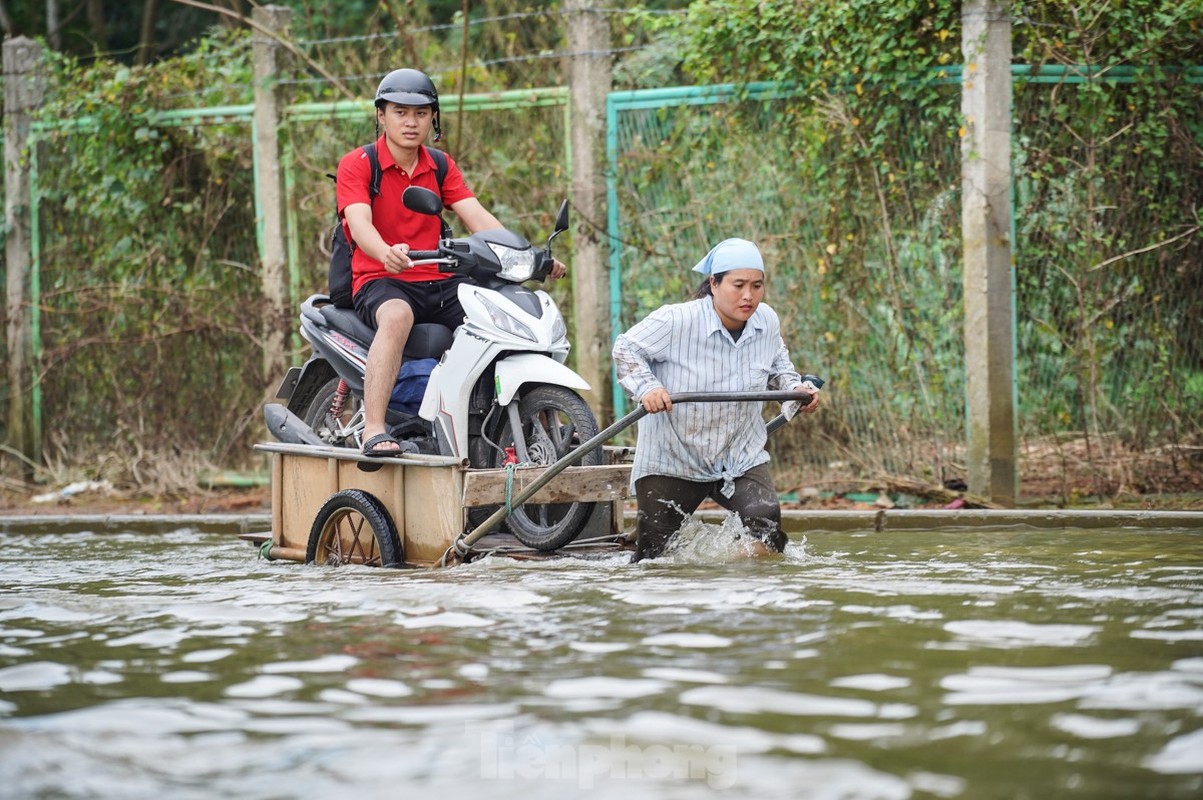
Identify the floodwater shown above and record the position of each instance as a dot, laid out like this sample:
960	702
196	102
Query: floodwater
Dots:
953	664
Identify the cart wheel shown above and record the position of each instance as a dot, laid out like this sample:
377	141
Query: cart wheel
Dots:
353	527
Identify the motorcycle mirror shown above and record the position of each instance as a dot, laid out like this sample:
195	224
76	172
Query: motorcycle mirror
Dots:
421	200
562	218
561	223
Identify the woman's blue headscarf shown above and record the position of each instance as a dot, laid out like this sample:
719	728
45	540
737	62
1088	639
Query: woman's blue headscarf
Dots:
731	254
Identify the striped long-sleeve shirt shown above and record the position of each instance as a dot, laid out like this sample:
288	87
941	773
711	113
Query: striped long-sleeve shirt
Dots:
685	348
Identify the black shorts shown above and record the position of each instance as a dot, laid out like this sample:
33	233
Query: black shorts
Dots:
431	301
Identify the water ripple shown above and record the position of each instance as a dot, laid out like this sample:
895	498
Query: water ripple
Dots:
856	666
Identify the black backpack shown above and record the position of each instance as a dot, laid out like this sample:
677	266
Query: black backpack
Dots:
341	248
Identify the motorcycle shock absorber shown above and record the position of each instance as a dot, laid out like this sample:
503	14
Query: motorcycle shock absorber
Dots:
339	400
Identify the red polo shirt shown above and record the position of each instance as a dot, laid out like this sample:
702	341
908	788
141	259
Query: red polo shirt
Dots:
396	223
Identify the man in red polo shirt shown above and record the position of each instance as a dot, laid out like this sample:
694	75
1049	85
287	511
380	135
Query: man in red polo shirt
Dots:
389	292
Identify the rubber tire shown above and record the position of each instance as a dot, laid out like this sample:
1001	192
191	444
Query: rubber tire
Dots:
551	526
316	413
338	537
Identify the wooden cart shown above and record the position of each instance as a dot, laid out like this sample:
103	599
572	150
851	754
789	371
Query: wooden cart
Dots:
334	505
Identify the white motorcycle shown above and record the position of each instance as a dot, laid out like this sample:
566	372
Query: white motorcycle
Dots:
499	395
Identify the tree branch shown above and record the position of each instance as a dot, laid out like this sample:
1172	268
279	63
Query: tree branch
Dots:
146	38
287	44
1148	249
6	22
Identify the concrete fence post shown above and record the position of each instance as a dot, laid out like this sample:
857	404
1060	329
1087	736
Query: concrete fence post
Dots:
590	76
989	280
269	61
23	92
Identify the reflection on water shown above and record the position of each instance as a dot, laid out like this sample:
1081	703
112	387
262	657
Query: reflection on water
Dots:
894	665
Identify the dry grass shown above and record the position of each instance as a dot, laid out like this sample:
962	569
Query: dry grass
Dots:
138	480
1054	471
1069	468
1062	471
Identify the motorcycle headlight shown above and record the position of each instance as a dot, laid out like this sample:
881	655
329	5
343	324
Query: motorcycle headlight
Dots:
505	322
559	330
516	265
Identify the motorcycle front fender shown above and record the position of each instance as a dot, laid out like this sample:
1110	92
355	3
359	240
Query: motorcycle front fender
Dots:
521	368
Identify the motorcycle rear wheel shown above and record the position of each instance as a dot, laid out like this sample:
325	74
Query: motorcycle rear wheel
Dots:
554	421
337	432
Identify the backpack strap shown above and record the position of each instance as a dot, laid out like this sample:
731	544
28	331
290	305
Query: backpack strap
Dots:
440	164
440	172
373	183
377	173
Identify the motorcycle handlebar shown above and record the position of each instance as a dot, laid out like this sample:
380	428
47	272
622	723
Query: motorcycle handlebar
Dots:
415	255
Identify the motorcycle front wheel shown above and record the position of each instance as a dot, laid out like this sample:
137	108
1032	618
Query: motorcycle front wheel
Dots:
554	421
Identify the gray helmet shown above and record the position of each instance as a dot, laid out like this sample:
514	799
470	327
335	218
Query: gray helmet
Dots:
409	87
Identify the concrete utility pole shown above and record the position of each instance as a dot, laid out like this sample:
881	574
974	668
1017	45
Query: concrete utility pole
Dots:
989	254
23	92
268	64
590	76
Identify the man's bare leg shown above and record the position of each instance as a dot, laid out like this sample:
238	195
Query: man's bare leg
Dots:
394	321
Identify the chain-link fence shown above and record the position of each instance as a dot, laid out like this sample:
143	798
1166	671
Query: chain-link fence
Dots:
864	253
1109	282
147	282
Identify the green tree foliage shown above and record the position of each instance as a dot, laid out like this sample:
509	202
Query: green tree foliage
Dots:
808	43
149	264
1108	170
1136	32
113	29
847	172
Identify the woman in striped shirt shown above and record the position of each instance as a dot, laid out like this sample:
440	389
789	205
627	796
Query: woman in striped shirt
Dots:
725	340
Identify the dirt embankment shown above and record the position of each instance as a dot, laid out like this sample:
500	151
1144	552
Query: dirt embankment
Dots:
1055	474
108	501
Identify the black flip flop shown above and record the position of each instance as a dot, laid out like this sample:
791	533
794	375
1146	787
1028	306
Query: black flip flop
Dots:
370	447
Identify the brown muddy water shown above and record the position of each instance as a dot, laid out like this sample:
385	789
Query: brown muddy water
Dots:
941	664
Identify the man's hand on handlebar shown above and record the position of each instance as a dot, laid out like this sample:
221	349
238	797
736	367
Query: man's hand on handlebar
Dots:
558	269
396	258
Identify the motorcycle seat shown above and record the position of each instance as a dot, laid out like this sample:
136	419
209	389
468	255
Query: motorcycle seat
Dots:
347	322
426	340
